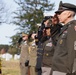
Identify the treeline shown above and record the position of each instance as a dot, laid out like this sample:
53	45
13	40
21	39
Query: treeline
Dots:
4	46
10	49
28	14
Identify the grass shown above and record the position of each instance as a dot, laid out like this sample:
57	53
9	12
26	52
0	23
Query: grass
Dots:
10	67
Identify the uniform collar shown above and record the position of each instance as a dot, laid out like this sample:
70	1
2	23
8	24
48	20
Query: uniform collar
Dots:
66	26
25	42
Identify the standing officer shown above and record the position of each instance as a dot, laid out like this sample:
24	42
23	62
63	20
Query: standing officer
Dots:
48	46
64	56
48	49
32	54
55	28
24	56
41	39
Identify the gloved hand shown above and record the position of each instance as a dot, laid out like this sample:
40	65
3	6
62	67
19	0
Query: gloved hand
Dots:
37	69
27	63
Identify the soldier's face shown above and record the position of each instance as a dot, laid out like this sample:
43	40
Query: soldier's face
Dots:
48	32
25	37
46	23
63	17
33	36
54	20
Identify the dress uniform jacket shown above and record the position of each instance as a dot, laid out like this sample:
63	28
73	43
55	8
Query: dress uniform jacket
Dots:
32	57
48	48
32	54
64	55
24	57
55	29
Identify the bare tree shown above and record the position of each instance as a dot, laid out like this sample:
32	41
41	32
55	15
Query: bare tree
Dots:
3	12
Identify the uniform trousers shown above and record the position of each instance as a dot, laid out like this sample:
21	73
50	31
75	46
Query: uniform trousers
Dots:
32	71
46	71
39	72
23	69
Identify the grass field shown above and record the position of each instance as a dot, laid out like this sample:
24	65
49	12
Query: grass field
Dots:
10	67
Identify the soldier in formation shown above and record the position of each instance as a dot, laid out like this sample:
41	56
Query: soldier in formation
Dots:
24	56
54	52
64	55
32	54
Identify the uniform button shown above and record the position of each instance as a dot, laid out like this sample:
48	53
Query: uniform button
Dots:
33	47
47	54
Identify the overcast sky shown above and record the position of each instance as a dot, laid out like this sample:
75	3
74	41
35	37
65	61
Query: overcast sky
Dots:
7	30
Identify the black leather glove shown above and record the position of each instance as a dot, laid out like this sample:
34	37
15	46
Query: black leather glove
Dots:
37	69
27	63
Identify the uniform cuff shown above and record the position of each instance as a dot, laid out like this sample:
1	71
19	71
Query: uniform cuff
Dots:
58	73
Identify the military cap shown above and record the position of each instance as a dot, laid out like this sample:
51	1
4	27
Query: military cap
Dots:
66	6
24	34
47	18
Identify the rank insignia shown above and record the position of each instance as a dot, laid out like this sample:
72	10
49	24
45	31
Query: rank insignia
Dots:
61	41
65	31
33	47
47	54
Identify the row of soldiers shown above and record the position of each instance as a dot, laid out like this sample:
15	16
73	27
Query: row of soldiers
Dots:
52	49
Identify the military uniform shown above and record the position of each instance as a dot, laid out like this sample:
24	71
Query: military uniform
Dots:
65	49
39	58
24	57
55	29
32	57
48	48
64	56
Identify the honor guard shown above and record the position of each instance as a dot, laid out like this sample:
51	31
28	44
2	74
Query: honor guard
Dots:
32	54
24	56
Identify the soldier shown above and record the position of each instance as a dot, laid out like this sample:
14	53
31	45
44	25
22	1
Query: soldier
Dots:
32	54
41	39
24	56
64	55
48	48
55	28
